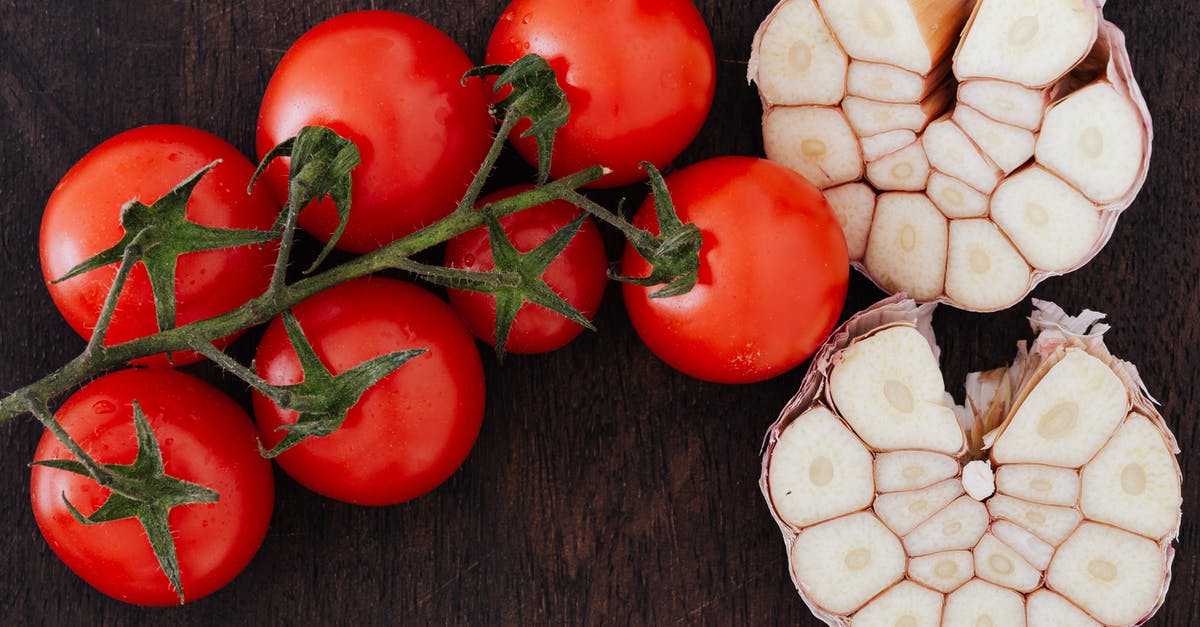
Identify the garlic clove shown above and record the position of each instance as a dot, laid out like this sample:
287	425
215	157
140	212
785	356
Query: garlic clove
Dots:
820	470
845	562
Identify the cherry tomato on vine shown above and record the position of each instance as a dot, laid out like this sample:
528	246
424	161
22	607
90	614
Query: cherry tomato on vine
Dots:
410	431
773	273
82	218
205	438
391	83
578	274
639	75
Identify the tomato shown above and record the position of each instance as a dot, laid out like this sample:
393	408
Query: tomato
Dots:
411	430
578	275
772	280
639	75
205	438
391	83
82	218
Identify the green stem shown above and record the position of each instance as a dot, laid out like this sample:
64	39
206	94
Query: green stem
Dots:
132	253
279	274
232	365
635	235
450	276
267	306
102	475
481	175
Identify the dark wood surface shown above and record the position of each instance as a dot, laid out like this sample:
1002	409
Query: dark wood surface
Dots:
604	488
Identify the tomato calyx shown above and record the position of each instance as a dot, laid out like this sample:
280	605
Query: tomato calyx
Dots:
322	399
673	254
140	490
535	94
320	165
156	235
526	268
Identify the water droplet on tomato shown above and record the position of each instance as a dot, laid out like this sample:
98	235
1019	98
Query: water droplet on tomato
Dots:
103	407
526	19
469	260
526	46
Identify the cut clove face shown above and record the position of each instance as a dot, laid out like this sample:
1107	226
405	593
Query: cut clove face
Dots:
1023	113
1062	511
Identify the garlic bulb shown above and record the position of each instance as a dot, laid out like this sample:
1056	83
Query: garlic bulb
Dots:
1051	497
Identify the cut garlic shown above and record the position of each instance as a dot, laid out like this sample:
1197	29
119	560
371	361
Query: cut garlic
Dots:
1067	417
1046	609
888	83
1005	102
799	61
903	511
904	605
1009	147
847	561
815	141
910	34
1033	550
871	117
954	198
998	563
1114	575
1095	139
958	526
1074	529
853	205
982	604
812	482
877	146
912	470
1050	523
889	389
906	250
951	151
1034	123
906	169
1040	484
943	572
1030	42
983	270
1053	225
1133	482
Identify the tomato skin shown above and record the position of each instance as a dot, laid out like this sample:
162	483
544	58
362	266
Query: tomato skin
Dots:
82	218
409	432
578	274
391	83
639	74
205	438
773	273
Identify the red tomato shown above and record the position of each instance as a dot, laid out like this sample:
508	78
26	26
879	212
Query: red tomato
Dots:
205	437
577	274
639	75
82	218
773	273
391	83
411	430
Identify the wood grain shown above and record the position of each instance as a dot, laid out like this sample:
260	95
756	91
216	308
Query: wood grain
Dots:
605	488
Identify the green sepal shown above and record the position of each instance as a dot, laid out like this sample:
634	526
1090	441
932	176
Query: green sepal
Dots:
323	399
528	268
674	255
161	232
535	95
141	490
321	161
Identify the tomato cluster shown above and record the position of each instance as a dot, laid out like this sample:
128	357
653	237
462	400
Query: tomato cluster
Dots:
771	279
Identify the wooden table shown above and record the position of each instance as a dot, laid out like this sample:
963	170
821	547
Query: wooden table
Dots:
605	488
